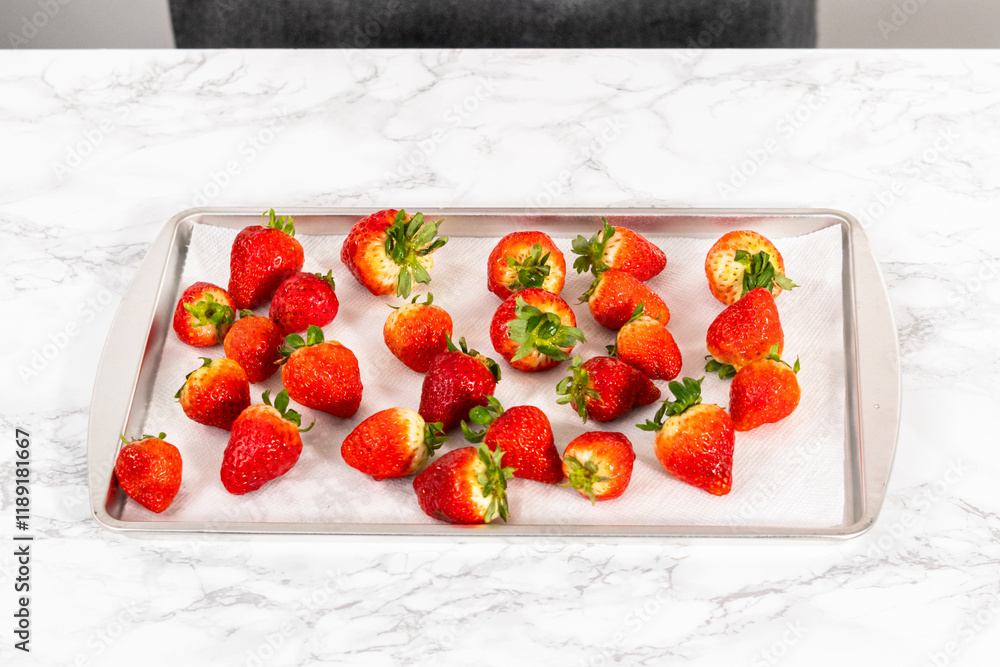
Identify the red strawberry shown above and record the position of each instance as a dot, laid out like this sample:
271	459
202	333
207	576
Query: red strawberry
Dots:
525	259
322	375
466	485
743	261
524	434
263	257
149	471
743	332
203	315
264	444
392	443
534	330
605	388
254	343
598	464
304	299
216	393
388	251
618	248
646	345
417	332
695	442
614	296
764	391
457	381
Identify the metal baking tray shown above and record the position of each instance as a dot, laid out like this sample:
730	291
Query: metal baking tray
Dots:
127	366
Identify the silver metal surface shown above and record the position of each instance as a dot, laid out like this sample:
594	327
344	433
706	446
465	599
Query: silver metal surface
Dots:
135	341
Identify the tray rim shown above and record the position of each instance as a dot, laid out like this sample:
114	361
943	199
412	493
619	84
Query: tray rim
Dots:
872	467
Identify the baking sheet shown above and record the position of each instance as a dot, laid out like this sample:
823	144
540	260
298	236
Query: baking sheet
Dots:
791	474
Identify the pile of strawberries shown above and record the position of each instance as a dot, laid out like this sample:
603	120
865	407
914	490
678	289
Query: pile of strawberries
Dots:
533	329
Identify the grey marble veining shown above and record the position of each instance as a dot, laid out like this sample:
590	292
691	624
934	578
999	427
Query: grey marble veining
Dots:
101	148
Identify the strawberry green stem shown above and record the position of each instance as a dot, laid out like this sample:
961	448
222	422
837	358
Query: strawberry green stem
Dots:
208	311
591	251
686	395
407	242
493	481
760	271
544	332
583	476
575	389
532	271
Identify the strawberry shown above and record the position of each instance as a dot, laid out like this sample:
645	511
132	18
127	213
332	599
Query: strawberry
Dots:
604	388
614	296
203	315
522	260
392	443
524	434
254	343
743	332
389	250
764	391
534	330
304	299
695	441
618	248
467	485
216	393
742	261
149	470
264	444
417	332
598	464
457	381
263	257
322	375
646	345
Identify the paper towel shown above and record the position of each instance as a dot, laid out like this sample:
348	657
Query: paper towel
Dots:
788	474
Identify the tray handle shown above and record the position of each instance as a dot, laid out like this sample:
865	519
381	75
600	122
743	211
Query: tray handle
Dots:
119	366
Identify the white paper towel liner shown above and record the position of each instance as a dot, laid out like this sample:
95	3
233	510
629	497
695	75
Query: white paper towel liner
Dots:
786	474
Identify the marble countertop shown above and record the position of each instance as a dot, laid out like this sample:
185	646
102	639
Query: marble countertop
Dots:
101	148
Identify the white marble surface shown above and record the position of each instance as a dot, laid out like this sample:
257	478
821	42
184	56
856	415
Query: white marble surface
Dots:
910	141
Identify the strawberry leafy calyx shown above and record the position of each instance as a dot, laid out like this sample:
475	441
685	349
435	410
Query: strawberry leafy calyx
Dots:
207	310
491	365
724	371
483	415
759	271
591	250
416	301
328	279
283	224
493	481
583	476
575	388
537	330
161	436
774	356
585	297
686	395
532	270
281	405
434	436
205	362
314	336
406	242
